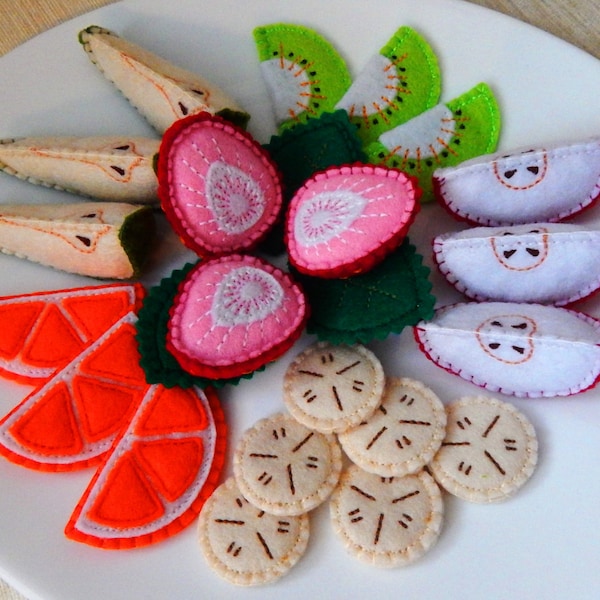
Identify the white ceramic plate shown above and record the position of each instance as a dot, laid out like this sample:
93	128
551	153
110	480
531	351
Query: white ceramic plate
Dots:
540	544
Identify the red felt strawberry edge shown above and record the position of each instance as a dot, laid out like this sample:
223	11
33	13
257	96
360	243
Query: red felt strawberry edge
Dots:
164	182
366	262
244	367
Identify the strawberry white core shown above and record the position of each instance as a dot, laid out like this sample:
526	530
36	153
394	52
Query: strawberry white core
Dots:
235	198
327	215
246	295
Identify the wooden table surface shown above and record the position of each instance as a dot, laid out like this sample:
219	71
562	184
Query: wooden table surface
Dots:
576	21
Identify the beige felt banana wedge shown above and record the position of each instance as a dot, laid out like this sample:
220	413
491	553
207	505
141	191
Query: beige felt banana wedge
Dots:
115	168
160	90
99	239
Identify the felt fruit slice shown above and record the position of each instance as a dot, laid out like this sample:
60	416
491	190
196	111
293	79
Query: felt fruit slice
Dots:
527	350
116	168
108	240
233	315
400	82
160	472
527	185
394	294
71	421
43	332
217	185
549	263
325	141
444	135
345	220
152	327
304	74
160	90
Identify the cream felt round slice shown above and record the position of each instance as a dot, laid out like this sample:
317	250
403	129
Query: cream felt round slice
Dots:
524	186
387	521
527	350
233	315
333	388
549	263
403	434
218	187
490	450
285	468
346	219
245	545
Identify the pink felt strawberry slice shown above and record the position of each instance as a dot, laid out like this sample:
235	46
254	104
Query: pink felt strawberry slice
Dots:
344	220
234	314
217	185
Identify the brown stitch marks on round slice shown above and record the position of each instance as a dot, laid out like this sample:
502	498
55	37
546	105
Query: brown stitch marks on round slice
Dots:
285	468
333	388
387	521
489	452
402	435
245	545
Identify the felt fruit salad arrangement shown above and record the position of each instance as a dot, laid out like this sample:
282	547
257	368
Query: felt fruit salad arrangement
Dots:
309	232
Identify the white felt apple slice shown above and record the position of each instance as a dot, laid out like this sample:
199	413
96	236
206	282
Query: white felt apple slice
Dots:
524	186
548	263
527	350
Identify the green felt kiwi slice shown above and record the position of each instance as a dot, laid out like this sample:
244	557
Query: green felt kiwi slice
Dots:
304	73
400	82
444	135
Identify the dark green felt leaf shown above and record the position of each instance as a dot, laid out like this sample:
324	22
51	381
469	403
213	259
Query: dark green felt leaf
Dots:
327	141
393	295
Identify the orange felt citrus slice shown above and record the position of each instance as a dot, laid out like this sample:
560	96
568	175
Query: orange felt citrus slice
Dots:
43	332
160	472
72	420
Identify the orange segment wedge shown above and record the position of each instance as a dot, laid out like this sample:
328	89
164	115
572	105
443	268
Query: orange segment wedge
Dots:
158	475
72	420
43	332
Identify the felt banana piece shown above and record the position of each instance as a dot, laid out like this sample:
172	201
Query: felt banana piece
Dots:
97	239
115	168
160	90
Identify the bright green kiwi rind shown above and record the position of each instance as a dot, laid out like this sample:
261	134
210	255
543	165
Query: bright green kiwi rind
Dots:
383	301
310	52
417	84
476	131
152	326
137	236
